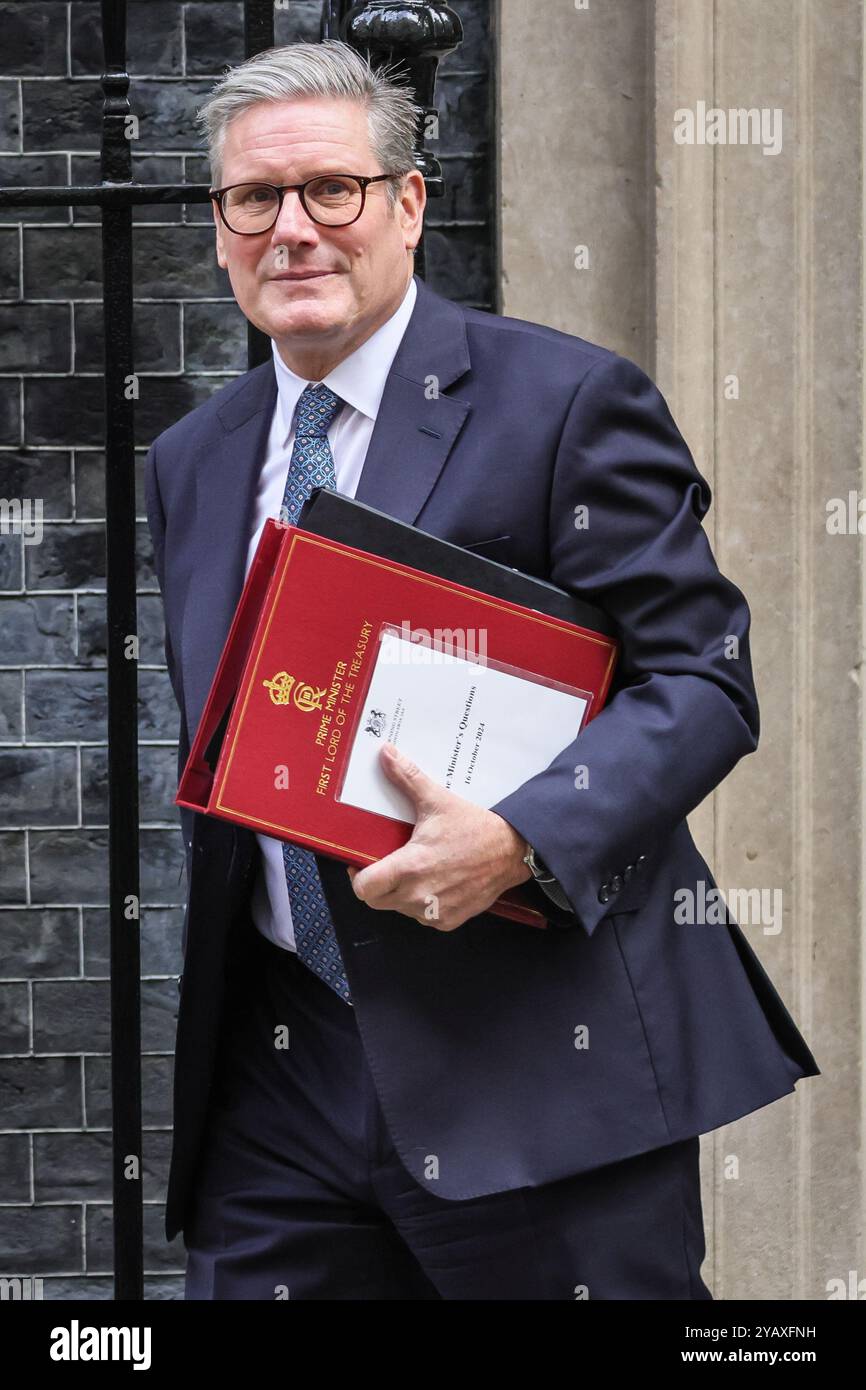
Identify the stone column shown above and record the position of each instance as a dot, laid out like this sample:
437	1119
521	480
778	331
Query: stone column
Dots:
735	278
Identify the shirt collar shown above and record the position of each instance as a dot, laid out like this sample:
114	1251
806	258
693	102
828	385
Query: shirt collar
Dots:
359	379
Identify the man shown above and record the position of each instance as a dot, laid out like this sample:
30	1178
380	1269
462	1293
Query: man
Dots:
369	1103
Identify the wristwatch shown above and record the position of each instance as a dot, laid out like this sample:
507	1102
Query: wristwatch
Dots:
539	869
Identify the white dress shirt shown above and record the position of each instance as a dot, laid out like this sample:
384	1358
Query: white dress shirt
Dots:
359	380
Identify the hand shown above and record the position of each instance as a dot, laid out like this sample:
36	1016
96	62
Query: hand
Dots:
459	860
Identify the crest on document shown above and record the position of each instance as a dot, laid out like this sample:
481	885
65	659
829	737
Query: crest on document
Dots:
375	722
285	690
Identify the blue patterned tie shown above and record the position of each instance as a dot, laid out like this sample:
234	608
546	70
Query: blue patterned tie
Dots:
312	465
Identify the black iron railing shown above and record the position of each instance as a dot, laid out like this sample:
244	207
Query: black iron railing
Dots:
412	34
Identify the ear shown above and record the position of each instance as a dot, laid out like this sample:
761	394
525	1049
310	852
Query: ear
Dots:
410	206
220	244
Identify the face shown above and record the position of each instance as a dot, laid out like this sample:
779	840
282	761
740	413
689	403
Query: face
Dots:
318	291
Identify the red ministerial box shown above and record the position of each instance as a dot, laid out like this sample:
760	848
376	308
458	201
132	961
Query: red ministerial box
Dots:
277	729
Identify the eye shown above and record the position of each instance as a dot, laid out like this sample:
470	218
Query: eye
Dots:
332	189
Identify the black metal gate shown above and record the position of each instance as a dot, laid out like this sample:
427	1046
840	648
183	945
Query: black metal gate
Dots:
414	34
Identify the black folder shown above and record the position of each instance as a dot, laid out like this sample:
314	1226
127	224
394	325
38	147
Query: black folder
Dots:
340	518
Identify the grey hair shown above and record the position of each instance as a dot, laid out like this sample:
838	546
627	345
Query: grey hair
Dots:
327	69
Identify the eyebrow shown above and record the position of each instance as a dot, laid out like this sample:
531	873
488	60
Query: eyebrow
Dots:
275	177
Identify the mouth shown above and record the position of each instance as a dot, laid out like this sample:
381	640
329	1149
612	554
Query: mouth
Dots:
303	275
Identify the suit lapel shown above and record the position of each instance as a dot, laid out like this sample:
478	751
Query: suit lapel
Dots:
417	425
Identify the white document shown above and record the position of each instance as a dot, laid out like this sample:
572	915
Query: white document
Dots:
478	731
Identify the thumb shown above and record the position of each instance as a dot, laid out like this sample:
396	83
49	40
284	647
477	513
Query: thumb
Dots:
422	791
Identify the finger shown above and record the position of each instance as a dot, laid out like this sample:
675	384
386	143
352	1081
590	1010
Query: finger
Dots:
380	879
422	791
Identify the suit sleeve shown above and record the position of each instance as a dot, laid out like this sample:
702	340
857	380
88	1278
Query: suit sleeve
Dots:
626	507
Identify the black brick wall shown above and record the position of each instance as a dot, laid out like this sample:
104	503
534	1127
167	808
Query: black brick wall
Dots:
55	1142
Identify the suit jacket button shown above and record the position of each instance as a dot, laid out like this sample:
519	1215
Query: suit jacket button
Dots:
604	894
615	883
627	872
640	861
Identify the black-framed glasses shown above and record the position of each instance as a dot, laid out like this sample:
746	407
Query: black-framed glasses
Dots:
332	200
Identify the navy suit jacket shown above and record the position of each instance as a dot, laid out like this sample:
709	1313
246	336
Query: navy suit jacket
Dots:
506	1055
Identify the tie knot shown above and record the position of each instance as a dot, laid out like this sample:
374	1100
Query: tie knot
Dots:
316	409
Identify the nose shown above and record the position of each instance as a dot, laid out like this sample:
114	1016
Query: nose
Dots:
293	227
